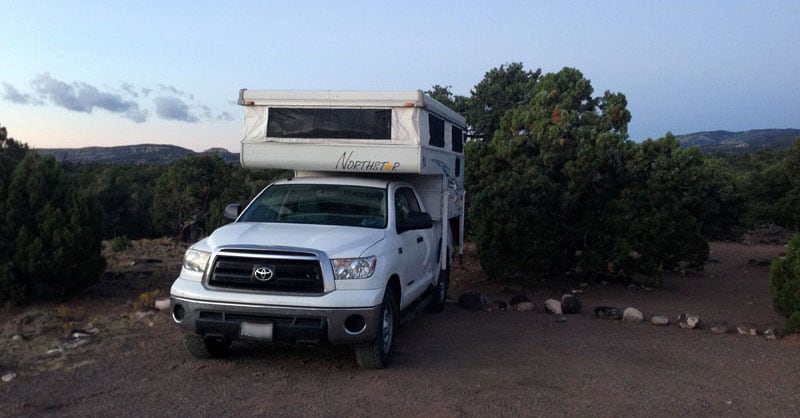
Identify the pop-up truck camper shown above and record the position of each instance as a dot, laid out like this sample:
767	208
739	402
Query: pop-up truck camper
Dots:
360	236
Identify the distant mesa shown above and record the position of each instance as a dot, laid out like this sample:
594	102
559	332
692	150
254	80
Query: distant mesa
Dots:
709	143
143	154
755	140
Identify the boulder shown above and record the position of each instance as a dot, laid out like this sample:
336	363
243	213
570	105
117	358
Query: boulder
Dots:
720	328
632	315
552	306
660	320
607	312
772	333
524	306
162	304
9	377
517	299
689	321
747	329
472	302
570	304
498	305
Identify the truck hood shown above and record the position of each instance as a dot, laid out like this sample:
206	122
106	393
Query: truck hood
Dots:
335	241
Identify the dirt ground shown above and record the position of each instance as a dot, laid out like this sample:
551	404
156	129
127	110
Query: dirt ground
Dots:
457	363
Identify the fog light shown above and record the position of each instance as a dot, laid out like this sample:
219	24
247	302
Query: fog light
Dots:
178	313
355	324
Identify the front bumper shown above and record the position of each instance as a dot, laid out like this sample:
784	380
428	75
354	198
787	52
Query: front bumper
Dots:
289	324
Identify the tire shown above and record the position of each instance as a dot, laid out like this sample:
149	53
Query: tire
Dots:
378	353
440	292
205	347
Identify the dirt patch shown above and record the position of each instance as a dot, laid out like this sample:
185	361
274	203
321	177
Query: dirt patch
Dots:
456	363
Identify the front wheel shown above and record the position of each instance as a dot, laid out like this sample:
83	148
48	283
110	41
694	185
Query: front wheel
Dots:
378	353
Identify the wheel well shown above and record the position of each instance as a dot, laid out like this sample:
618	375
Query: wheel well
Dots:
394	287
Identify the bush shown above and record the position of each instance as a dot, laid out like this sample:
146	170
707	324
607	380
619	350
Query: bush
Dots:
784	277
50	232
120	244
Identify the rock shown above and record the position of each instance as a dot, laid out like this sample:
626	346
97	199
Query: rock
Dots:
772	334
660	320
561	319
54	351
79	334
499	305
162	304
142	315
16	337
747	329
524	306
719	328
570	304
632	315
94	331
607	312
552	306
687	321
9	377
517	299
472	302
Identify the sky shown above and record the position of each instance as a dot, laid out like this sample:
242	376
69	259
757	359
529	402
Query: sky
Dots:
106	73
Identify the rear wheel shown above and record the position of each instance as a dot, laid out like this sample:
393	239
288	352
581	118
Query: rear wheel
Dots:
378	353
206	347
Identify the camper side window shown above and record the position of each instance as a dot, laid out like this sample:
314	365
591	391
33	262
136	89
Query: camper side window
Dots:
436	127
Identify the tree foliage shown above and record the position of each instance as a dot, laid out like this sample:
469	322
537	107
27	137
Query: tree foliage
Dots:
190	196
50	231
502	89
785	284
560	187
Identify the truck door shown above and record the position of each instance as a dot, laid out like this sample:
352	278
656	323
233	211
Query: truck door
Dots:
416	245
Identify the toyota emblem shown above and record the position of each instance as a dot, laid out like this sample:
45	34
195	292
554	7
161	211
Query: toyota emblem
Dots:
263	273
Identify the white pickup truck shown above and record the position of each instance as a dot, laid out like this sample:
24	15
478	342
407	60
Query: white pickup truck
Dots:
360	235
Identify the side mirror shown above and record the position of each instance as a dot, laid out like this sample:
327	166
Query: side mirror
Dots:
414	220
232	211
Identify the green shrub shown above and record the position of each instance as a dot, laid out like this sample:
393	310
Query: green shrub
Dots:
50	234
120	244
784	280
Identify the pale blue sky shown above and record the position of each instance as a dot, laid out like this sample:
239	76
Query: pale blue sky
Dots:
109	73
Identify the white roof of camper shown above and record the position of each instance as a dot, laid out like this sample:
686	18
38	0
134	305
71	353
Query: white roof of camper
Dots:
351	98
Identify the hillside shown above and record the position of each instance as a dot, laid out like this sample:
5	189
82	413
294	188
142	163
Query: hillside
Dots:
144	154
740	142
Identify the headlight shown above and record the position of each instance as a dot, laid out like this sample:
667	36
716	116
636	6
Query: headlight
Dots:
353	268
196	260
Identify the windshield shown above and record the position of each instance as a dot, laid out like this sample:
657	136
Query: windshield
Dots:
320	204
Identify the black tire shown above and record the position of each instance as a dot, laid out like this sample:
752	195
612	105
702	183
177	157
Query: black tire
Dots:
205	347
440	292
378	353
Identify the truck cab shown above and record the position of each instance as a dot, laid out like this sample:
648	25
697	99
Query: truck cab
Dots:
336	253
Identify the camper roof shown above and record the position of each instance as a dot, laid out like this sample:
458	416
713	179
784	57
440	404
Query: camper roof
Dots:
343	98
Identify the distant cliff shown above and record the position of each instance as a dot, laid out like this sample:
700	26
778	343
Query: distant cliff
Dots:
144	154
740	142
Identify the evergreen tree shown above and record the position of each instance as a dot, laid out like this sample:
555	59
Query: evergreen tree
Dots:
50	231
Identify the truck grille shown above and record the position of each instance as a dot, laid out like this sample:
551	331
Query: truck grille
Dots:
267	274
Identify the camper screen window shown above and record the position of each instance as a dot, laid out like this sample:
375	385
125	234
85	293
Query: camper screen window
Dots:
329	123
436	126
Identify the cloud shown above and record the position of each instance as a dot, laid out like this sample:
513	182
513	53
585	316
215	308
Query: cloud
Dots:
82	97
127	100
13	95
173	108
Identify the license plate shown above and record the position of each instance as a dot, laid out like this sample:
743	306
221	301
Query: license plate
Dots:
256	331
